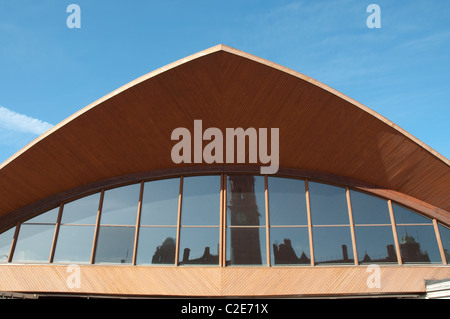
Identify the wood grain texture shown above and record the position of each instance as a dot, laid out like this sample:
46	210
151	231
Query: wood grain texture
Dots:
216	281
128	132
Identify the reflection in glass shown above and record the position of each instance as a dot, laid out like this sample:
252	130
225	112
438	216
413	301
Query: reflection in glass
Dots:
74	244
246	246
328	204
34	243
403	215
115	244
245	229
418	244
290	246
332	245
76	233
287	202
199	245
5	244
35	238
156	245
368	209
81	211
120	205
201	200
48	217
246	200
245	206
375	244
445	238
160	202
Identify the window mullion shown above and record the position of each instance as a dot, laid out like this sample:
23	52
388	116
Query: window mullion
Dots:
394	231
266	195
439	241
352	226
180	199
97	226
14	242
138	224
308	210
222	238
55	236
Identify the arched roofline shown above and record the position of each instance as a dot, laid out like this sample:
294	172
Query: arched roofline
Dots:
222	47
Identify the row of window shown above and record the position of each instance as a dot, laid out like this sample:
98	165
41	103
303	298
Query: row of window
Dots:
179	223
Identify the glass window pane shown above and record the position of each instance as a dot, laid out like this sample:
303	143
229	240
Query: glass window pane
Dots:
287	201
445	238
5	244
369	209
199	245
81	211
332	245
290	245
49	217
160	202
246	246
201	200
115	244
74	244
246	200
375	244
34	243
156	245
418	244
328	204
120	205
403	215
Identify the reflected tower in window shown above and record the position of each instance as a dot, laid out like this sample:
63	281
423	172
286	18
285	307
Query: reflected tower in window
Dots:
416	236
243	211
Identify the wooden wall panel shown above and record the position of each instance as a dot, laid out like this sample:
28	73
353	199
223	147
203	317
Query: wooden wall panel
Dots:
220	282
111	280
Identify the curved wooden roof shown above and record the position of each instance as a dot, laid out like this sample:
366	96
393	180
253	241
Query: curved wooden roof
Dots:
129	131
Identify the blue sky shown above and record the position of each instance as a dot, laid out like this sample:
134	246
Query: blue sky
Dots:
49	71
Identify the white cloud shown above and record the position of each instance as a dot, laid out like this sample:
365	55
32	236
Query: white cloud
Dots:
13	121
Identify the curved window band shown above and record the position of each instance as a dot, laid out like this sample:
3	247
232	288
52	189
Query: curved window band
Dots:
229	220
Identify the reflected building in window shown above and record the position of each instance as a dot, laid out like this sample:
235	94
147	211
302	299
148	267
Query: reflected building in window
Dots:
411	251
343	259
206	259
284	254
165	254
200	220
391	256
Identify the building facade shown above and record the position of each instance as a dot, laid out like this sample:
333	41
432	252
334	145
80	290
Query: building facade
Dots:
98	206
